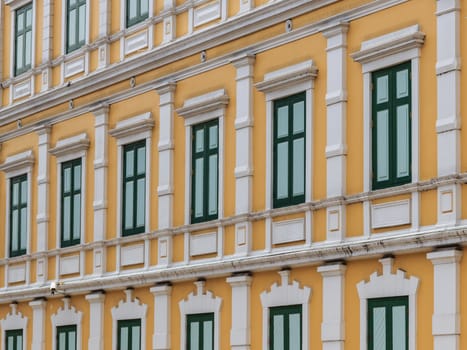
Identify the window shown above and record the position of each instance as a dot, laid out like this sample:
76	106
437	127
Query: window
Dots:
18	215
391	126
388	323
205	150
14	339
66	337
285	327
129	335
200	331
136	11
23	39
71	203
289	151
75	24
134	188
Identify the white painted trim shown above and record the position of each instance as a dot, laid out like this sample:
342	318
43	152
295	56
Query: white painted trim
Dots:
162	317
206	13
128	131
388	285
14	320
130	308
205	243
288	231
240	332
279	84
67	315
38	323
196	110
96	320
201	302
286	294
132	254
391	214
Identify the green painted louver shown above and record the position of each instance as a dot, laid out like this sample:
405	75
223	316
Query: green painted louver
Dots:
134	188
285	327
71	203
200	332
75	24
388	323
23	39
129	334
14	339
136	11
289	152
66	337
18	215
391	134
205	169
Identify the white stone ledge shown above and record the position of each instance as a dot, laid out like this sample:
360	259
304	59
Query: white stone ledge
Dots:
448	124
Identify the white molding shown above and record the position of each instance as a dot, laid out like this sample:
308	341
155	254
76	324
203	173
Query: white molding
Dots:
18	164
164	250
96	320
42	215
286	294
197	110
67	315
132	254
449	205
282	83
162	310
288	231
16	273
199	303
74	66
70	148
388	285
204	243
22	89
391	214
447	285
14	320
38	323
130	308
240	333
333	325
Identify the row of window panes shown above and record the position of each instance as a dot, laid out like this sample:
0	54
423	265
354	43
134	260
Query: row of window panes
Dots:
391	163
387	329
136	11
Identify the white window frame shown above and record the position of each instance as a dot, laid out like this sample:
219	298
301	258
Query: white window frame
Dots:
14	320
15	5
284	295
385	286
125	132
200	303
67	316
129	309
71	148
383	52
198	110
277	85
16	165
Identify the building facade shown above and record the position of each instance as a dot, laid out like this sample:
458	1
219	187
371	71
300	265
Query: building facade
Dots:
233	174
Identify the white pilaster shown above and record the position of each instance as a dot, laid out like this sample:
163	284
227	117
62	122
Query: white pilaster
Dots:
104	27
38	324
244	149
166	151
100	183
42	217
161	335
240	332
169	21
47	44
96	317
446	314
336	141
333	326
448	121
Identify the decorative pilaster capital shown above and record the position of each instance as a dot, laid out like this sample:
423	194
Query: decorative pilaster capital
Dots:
330	270
448	256
96	297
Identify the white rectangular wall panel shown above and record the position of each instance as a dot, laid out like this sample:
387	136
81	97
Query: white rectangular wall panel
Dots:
22	89
132	254
17	273
288	231
69	265
391	214
206	13
74	67
136	42
205	243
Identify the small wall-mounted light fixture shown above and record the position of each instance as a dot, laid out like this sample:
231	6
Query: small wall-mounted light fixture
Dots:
203	56
19	123
132	82
288	25
71	104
